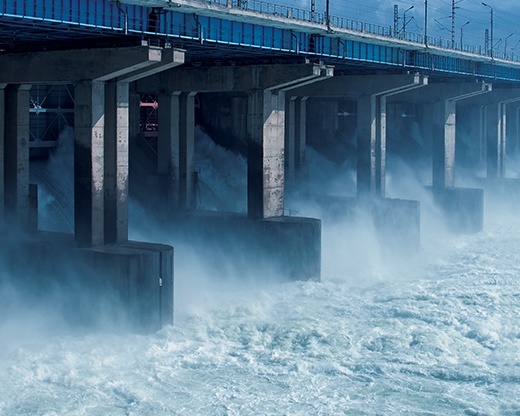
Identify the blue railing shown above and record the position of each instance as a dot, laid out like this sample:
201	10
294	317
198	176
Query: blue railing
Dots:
146	21
335	22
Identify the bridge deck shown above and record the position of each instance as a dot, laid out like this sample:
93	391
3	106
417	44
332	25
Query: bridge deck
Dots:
238	30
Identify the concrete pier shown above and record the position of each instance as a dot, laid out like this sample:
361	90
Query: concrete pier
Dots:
463	208
16	154
126	287
371	94
100	248
263	88
494	126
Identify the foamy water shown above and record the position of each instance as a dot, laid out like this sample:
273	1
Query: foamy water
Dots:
440	337
437	333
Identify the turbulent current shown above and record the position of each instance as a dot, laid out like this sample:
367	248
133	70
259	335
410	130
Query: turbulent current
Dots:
437	333
438	336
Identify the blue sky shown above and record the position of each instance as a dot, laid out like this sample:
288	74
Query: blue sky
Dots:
506	17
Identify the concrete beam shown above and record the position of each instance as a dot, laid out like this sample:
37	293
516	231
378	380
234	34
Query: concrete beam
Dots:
234	78
170	58
75	65
16	154
353	86
436	92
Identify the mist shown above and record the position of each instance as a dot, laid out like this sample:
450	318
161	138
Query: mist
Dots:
208	271
426	330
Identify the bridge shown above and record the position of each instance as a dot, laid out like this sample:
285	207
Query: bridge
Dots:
133	77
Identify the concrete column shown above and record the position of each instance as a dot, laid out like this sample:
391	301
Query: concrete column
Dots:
265	169
366	143
89	138
380	168
493	145
116	162
483	134
134	115
187	149
427	126
443	144
16	153
295	135
2	141
176	145
168	143
301	136
290	137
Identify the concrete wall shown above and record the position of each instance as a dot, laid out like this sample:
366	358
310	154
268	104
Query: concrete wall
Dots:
232	245
113	286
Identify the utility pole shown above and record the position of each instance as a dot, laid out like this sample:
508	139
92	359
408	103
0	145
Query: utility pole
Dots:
486	41
404	20
327	15
396	19
426	23
462	27
452	24
491	33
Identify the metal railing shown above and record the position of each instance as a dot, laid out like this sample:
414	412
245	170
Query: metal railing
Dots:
108	16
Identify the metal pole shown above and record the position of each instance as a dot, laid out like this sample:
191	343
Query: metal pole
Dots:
327	17
491	32
404	20
505	44
396	20
426	23
462	27
452	24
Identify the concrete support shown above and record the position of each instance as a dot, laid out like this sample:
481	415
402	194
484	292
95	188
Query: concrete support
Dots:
371	143
463	208
494	122
265	169
16	154
176	146
295	135
89	135
440	107
371	94
494	160
136	276
265	87
116	162
134	114
443	144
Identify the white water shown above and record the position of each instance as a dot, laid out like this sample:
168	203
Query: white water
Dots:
441	337
437	335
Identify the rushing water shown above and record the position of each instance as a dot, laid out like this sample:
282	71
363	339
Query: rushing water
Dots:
437	334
